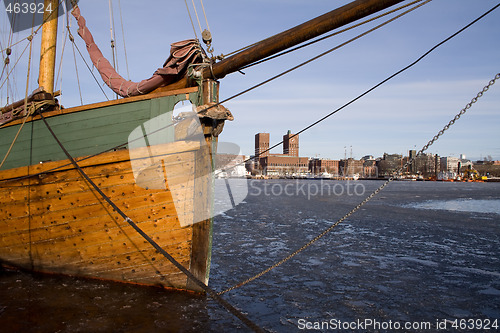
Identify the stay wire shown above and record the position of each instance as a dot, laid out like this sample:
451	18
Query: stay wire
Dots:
64	39
155	245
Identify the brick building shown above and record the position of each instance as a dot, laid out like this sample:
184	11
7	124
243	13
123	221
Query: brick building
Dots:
318	166
291	144
284	164
351	167
261	144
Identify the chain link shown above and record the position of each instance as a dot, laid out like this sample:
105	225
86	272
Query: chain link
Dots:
372	195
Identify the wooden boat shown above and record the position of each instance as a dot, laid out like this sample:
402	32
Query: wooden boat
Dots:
53	220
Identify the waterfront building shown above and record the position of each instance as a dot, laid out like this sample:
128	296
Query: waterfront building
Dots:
450	164
389	164
350	167
370	169
261	144
291	144
321	165
280	165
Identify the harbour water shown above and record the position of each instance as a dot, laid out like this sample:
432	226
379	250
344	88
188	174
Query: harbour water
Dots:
419	253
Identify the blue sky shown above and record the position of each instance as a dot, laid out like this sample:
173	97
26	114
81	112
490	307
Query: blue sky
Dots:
403	114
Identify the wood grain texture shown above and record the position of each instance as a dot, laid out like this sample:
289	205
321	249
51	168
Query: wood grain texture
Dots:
52	220
58	223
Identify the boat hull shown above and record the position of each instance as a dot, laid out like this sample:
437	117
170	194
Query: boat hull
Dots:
56	222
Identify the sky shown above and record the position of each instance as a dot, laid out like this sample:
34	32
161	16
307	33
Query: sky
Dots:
403	114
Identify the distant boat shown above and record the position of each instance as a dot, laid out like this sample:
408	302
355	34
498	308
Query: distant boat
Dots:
324	175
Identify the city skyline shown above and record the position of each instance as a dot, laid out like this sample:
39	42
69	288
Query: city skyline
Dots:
262	145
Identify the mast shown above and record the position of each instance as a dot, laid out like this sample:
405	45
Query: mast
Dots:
48	49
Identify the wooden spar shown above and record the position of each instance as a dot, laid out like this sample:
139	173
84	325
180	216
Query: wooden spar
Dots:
48	48
301	33
289	38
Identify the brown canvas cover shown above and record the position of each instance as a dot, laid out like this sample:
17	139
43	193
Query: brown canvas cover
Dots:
182	54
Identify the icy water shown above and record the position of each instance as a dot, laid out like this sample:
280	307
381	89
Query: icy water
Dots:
419	253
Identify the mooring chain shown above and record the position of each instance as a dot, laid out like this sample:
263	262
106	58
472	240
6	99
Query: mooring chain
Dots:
461	113
373	194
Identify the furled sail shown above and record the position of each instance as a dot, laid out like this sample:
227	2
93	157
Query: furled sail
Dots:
182	54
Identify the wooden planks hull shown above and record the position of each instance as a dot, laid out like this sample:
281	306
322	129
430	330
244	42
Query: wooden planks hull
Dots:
56	222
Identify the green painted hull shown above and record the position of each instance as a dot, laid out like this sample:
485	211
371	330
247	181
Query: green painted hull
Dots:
83	133
57	223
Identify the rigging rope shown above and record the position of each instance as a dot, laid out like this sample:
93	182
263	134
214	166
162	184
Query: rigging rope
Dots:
123	37
64	39
197	18
29	38
113	37
205	14
371	196
14	141
191	19
193	278
15	64
72	39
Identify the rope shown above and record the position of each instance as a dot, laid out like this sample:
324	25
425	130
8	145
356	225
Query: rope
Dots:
123	37
191	19
371	196
29	111
72	39
157	247
13	67
319	39
113	37
14	141
29	38
25	108
205	14
196	14
76	69
64	40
